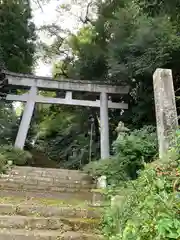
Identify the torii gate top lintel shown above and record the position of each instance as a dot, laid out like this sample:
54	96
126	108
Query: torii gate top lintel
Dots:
27	80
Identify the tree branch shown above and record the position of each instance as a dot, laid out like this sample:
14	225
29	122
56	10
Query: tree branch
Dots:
87	19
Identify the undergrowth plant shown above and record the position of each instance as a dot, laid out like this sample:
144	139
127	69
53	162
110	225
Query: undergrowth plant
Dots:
17	156
150	209
131	150
3	163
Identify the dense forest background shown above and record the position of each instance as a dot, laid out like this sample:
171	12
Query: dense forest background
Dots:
121	42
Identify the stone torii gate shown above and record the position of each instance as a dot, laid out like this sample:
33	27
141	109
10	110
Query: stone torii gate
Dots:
36	83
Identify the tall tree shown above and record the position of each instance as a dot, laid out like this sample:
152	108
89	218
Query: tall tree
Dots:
123	44
17	47
17	35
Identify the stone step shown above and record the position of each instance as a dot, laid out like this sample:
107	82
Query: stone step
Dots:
43	184
50	211
6	184
49	179
39	223
7	234
40	169
52	173
61	196
45	180
33	218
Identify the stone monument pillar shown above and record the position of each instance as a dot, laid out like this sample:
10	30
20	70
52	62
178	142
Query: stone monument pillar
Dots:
166	114
104	125
26	118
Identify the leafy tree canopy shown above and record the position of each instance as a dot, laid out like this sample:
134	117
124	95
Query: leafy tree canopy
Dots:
17	47
123	42
17	35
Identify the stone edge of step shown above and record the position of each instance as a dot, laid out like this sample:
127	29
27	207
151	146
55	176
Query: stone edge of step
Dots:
50	211
41	185
15	170
50	223
47	234
37	188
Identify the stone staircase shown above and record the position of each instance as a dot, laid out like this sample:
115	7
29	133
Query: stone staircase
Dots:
47	204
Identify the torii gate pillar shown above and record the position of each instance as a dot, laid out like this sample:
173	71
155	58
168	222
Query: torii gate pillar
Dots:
26	118
28	112
104	125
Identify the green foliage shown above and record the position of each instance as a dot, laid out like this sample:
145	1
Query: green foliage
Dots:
147	43
3	163
122	42
149	211
131	151
111	168
63	135
17	156
158	7
17	35
134	149
150	206
9	154
8	124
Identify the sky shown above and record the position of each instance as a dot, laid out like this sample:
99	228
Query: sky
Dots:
49	15
40	17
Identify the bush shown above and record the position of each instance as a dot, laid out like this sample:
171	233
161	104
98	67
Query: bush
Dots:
131	150
17	156
111	168
134	149
3	163
150	209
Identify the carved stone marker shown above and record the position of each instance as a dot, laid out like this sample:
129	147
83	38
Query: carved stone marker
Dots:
166	114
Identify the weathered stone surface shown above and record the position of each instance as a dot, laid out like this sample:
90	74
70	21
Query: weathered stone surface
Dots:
26	80
79	236
56	174
45	235
49	211
13	182
166	114
48	181
44	187
104	124
65	196
37	209
61	224
26	118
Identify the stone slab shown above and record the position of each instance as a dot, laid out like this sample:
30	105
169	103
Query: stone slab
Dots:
52	223
166	113
66	101
46	181
79	196
7	234
36	209
56	174
26	80
44	187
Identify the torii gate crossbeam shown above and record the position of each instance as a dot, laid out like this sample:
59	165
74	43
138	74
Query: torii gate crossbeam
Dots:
35	83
